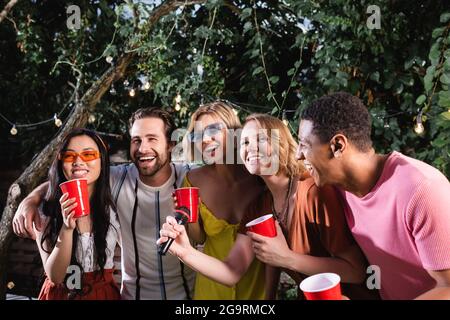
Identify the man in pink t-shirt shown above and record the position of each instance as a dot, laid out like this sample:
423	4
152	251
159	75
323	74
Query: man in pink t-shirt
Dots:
397	208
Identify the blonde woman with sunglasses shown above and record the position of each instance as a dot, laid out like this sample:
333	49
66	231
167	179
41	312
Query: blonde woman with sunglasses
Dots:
226	189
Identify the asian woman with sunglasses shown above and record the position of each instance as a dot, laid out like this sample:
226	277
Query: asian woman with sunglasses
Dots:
85	244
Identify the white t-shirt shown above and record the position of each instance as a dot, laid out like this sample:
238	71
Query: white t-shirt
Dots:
145	273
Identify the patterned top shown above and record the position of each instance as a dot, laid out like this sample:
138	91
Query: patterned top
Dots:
85	248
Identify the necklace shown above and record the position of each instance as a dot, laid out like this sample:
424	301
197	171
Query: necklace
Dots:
283	215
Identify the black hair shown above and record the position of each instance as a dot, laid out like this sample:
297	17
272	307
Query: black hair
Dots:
342	113
100	202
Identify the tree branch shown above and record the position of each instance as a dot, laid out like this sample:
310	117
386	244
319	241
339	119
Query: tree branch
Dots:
7	9
37	170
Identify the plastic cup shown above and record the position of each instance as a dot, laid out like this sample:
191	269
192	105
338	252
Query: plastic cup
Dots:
188	197
78	189
264	226
322	286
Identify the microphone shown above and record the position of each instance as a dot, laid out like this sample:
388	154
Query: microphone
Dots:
182	217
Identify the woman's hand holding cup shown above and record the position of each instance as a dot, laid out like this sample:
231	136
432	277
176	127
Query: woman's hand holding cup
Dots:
68	211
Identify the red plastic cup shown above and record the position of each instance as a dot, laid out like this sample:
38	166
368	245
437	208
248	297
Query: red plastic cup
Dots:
264	226
188	197
322	286
78	189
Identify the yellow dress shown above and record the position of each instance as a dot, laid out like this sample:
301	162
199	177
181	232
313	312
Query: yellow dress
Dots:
220	238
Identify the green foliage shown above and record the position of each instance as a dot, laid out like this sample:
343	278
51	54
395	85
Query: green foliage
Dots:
268	55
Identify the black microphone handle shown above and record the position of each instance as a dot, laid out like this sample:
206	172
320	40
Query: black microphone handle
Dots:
164	247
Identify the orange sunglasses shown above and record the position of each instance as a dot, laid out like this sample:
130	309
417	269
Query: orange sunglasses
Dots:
86	156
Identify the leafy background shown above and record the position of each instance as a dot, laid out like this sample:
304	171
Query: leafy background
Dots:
265	56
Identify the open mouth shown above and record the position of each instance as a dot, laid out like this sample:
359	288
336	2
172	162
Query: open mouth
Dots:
253	159
146	160
79	173
211	149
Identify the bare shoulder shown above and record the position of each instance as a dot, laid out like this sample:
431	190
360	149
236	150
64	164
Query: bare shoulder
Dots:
199	176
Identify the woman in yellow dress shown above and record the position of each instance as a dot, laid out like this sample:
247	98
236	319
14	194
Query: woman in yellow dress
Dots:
226	190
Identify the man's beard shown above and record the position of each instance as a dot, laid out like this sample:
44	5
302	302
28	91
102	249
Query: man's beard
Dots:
152	170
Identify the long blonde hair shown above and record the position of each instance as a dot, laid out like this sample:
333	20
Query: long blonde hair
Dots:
288	164
218	109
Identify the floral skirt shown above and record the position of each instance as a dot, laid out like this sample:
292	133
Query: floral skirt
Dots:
95	286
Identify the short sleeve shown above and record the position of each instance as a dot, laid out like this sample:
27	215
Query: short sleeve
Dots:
428	220
325	205
114	220
115	173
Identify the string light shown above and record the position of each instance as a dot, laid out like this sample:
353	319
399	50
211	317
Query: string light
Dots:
284	118
109	59
418	127
177	107
13	130
146	85
58	121
200	70
91	118
386	124
178	98
113	90
126	83
132	92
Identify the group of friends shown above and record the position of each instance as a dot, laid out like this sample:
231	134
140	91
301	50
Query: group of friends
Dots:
339	206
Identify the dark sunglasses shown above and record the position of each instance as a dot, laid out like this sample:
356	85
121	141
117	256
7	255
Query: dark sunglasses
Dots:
210	131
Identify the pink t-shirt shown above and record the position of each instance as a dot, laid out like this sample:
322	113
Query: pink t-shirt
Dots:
403	225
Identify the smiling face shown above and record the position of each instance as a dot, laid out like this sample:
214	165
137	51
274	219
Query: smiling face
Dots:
149	149
79	168
213	141
256	150
317	156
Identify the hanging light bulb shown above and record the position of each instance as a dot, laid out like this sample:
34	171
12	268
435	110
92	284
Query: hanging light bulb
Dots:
58	121
132	92
113	91
284	118
109	59
91	118
13	130
177	107
178	98
418	127
200	70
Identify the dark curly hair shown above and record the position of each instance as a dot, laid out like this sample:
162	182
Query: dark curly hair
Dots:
342	113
